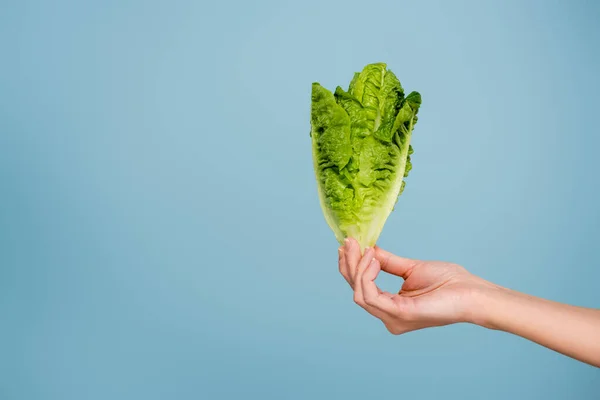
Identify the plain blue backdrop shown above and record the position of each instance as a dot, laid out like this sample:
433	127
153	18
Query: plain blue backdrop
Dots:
160	232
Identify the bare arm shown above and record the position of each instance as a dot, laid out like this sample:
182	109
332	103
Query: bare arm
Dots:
570	330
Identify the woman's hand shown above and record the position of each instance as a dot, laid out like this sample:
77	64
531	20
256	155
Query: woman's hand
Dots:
433	294
438	293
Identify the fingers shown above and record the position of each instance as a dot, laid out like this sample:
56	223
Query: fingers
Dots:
349	257
343	266
360	273
372	296
374	301
352	250
394	264
363	262
362	265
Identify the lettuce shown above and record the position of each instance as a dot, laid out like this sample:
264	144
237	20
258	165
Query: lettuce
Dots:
361	151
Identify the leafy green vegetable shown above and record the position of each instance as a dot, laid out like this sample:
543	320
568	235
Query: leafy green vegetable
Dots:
361	150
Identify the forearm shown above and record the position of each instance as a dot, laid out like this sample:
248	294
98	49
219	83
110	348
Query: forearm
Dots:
573	331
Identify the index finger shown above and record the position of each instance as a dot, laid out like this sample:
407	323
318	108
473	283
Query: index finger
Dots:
353	256
372	295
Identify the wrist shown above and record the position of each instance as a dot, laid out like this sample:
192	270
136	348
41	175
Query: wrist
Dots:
485	304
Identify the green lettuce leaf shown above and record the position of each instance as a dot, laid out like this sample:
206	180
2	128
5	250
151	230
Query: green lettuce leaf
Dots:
361	151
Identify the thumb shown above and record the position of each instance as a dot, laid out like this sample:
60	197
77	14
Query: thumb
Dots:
393	264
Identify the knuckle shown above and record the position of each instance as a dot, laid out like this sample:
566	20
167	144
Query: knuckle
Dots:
358	300
404	312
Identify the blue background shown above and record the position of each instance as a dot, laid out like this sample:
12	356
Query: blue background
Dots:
160	232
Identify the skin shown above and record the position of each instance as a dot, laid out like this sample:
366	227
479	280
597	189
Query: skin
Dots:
438	293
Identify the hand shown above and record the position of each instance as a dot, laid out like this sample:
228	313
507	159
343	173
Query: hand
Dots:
438	293
433	294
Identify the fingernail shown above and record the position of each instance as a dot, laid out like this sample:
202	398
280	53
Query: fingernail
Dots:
346	241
